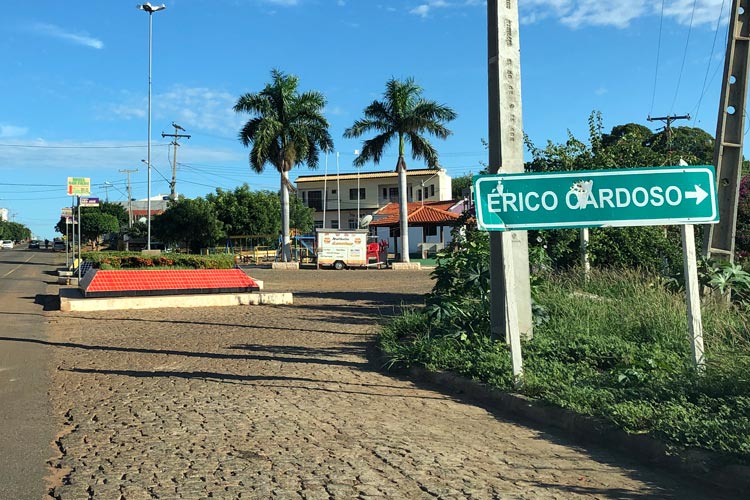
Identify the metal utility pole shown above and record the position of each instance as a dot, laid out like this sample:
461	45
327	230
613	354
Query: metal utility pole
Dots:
130	197
175	136
719	238
668	124
147	7
509	255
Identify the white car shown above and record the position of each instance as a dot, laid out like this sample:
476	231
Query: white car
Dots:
6	243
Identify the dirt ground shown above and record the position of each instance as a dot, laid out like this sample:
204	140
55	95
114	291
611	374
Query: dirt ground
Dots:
280	402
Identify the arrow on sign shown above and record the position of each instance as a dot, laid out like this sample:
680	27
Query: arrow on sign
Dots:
699	195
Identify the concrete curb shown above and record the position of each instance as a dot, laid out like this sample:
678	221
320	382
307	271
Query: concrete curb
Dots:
710	469
406	266
72	300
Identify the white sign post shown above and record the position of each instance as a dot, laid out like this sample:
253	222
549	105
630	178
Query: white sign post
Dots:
693	299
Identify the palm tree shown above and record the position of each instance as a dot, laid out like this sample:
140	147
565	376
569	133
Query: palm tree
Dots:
404	115
286	129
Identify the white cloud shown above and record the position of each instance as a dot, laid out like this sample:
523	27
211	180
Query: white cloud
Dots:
7	131
196	108
580	13
424	9
58	32
706	11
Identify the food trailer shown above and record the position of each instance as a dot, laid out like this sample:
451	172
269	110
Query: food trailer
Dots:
341	249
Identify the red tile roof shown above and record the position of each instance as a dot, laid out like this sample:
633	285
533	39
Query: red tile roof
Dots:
419	215
392	208
142	213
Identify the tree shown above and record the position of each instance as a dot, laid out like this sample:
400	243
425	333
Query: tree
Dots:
404	115
286	129
694	145
192	223
117	210
245	212
460	184
94	223
10	230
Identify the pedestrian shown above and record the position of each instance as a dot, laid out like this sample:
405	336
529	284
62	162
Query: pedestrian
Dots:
46	244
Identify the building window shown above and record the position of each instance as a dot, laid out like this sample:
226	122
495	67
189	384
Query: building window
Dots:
432	189
419	195
353	224
391	194
333	191
430	231
315	200
318	224
334	224
353	194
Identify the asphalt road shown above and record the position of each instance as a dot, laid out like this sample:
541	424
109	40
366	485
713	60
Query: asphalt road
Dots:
25	412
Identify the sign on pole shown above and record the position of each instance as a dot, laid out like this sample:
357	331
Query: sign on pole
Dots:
596	198
89	202
79	186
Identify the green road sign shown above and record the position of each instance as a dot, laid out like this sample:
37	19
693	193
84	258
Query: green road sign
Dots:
596	198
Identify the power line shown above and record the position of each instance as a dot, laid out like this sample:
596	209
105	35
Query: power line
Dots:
34	146
708	67
684	57
658	53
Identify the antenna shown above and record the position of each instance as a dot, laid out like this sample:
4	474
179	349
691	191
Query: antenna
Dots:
364	222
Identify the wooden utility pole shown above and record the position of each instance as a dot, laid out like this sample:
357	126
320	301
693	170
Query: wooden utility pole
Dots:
719	238
175	136
509	256
668	124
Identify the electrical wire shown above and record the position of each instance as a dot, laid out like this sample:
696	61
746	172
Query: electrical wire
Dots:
708	67
658	53
684	58
36	146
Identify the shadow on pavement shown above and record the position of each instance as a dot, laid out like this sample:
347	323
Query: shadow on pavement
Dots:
217	355
255	380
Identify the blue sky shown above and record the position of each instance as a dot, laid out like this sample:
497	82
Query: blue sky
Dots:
74	84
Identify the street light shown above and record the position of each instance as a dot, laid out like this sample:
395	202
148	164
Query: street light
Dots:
147	7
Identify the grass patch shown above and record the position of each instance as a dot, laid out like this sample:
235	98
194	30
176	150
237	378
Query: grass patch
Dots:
616	347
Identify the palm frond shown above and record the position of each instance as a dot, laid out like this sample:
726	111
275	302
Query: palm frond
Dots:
421	149
372	149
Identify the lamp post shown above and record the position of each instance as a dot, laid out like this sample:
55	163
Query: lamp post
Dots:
147	7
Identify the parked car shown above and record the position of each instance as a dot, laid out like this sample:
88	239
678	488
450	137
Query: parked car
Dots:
34	244
6	243
58	246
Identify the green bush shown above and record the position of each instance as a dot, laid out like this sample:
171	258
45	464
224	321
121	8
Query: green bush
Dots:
136	260
634	247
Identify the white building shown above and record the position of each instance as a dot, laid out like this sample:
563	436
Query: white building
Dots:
4	214
345	198
341	201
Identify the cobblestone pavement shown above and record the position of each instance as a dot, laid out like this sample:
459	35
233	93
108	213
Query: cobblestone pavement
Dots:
279	402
